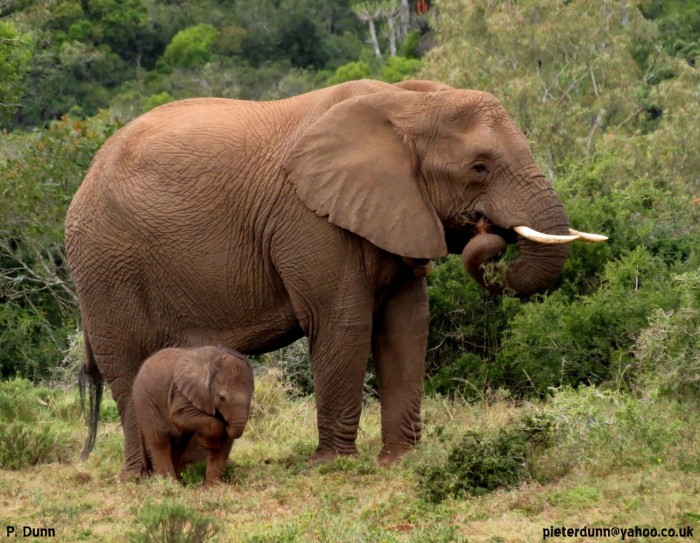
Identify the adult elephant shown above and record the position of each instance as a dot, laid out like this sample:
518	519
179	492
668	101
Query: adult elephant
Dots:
250	224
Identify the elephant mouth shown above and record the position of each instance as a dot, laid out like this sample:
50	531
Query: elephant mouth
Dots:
483	244
462	228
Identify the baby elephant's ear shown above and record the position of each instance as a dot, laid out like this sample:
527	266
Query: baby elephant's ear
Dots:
193	379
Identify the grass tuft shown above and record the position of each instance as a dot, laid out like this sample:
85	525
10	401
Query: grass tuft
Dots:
169	522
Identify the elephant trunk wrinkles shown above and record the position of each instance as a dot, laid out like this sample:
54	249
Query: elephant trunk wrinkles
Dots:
235	424
537	264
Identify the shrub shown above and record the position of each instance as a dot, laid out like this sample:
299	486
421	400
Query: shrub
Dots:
29	433
191	47
168	522
23	444
38	306
156	100
350	72
294	366
466	325
604	430
666	352
558	342
399	68
476	465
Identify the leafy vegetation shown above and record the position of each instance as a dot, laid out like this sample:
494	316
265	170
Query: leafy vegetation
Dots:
168	522
613	119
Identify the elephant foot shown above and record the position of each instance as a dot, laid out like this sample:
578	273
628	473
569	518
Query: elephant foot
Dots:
131	474
392	453
323	456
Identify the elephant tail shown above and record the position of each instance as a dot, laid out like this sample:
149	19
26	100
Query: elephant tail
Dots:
91	384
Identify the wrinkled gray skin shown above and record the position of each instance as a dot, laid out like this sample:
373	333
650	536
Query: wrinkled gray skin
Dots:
250	224
180	394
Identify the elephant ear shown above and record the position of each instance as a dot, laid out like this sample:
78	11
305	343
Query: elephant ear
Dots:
355	167
193	378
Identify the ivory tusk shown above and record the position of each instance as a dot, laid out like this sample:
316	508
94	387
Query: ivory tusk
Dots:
585	236
534	235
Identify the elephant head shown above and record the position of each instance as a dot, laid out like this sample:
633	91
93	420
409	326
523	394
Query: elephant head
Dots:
420	173
217	382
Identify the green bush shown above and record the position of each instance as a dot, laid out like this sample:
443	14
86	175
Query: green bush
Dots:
169	522
191	47
156	100
15	55
30	431
560	341
23	445
409	47
605	430
38	306
350	72
399	68
667	352
466	325
476	465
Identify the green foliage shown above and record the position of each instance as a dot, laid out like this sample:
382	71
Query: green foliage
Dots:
559	341
118	24
350	72
399	68
229	41
679	26
27	434
38	308
588	428
409	48
156	100
466	325
191	47
667	351
170	522
604	431
478	464
15	54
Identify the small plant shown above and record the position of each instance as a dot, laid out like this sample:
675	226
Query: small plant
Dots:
478	464
173	523
24	444
28	436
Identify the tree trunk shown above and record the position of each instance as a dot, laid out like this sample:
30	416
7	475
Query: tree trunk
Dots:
373	37
404	19
392	35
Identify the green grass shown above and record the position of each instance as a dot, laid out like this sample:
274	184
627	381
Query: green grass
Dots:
605	459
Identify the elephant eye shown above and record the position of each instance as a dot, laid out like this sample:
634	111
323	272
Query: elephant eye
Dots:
222	398
480	169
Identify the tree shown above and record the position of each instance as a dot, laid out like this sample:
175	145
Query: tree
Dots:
15	56
368	12
389	9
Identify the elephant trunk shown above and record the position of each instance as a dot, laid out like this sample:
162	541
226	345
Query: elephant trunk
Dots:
236	422
538	264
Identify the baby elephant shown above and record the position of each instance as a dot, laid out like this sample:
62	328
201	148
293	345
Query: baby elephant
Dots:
183	393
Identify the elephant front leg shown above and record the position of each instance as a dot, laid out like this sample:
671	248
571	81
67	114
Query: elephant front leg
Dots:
161	453
339	354
399	346
216	462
